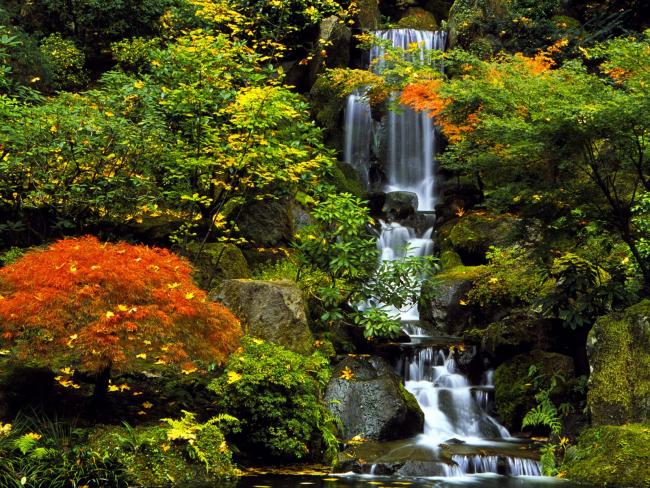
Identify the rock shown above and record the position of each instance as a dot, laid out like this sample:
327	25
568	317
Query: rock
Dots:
470	19
447	308
439	8
216	261
271	310
514	396
369	16
372	404
400	204
299	216
418	18
335	37
472	235
518	331
266	223
346	179
611	456
619	357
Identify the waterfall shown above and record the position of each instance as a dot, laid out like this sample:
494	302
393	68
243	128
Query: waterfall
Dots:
410	137
456	412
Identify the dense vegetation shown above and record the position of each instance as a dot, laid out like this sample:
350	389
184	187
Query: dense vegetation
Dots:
147	146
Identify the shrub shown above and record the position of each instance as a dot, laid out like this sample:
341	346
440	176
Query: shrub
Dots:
64	62
101	306
276	395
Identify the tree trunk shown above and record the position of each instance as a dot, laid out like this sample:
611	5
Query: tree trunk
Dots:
101	385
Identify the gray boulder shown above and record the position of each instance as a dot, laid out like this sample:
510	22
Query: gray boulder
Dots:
335	38
373	403
400	204
271	310
266	223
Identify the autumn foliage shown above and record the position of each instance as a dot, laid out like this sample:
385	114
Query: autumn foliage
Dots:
425	96
101	306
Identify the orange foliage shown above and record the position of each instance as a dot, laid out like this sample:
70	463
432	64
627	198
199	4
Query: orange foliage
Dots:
425	95
101	305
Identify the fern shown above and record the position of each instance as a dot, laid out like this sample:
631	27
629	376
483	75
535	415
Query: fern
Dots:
544	414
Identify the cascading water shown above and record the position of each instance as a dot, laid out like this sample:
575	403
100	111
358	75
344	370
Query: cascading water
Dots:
456	412
409	136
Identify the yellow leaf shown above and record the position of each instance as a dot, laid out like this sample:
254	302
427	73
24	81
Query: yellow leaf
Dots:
189	370
141	356
346	374
171	286
67	370
138	84
109	314
189	295
122	308
147	405
113	388
233	376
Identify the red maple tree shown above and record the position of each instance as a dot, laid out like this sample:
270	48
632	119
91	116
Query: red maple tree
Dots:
102	307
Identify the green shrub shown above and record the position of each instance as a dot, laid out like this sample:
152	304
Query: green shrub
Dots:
276	394
512	277
64	63
134	54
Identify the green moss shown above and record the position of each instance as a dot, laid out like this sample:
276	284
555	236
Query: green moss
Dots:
346	179
611	456
619	347
151	459
459	273
411	402
450	259
418	18
472	235
217	261
514	394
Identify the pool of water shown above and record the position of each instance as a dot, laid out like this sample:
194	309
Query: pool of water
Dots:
470	481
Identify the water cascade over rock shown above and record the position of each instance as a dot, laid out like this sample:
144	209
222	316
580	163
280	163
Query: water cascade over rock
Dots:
459	437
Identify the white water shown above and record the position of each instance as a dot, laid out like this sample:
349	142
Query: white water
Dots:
410	136
453	408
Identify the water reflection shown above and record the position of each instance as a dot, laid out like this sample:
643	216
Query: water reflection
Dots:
474	481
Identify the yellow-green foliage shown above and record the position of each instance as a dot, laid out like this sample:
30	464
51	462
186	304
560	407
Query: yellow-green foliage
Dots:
611	456
181	452
512	277
620	356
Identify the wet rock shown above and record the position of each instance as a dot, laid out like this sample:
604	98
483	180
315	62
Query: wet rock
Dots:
447	307
271	310
400	204
619	357
373	403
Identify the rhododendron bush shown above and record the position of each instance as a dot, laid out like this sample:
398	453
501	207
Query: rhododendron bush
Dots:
101	307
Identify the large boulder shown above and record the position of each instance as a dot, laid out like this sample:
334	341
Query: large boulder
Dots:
266	223
371	401
611	456
400	204
619	357
514	395
472	234
271	310
217	261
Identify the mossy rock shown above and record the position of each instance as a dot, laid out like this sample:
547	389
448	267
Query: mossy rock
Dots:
266	223
468	19
450	259
518	331
368	15
345	178
619	357
567	23
611	456
216	261
447	308
418	18
472	235
151	459
514	395
327	106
